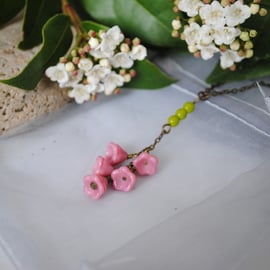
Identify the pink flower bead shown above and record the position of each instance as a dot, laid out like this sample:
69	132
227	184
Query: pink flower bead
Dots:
123	179
102	166
115	153
145	164
95	186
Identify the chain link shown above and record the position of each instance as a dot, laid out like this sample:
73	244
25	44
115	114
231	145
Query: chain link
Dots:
166	129
208	92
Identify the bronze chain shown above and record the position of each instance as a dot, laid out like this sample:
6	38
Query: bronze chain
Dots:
202	96
208	92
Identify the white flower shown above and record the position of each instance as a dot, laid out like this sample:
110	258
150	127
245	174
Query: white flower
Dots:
97	53
206	35
191	7
73	79
85	64
225	35
122	60
97	73
112	81
110	39
138	52
228	58
93	42
81	92
208	51
237	13
192	34
99	88
213	14
57	73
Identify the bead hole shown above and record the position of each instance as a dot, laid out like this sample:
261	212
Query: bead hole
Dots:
93	185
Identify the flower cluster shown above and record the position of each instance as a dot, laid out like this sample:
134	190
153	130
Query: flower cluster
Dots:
210	27
123	178
102	63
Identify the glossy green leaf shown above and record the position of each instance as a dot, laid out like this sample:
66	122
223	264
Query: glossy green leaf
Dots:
57	38
9	9
149	20
149	76
246	71
36	15
90	25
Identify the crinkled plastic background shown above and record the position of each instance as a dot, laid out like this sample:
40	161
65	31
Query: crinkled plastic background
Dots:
207	208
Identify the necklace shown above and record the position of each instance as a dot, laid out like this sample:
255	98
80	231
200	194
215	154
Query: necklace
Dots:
110	170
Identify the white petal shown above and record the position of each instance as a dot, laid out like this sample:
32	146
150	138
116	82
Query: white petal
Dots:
112	81
97	73
110	39
191	7
237	13
138	52
80	93
207	52
85	64
228	58
57	73
192	34
122	60
213	14
73	79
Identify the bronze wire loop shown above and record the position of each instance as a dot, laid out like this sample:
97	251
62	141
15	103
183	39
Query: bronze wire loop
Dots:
202	96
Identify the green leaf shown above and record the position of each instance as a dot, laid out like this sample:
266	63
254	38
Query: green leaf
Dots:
9	9
36	15
90	25
246	71
149	21
57	38
149	76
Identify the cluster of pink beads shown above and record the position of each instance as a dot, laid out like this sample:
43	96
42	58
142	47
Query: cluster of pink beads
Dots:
123	178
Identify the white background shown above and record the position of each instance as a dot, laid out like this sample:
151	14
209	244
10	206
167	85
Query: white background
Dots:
208	207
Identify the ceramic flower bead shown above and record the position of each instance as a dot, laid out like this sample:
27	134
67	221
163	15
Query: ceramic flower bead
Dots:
102	166
123	179
145	164
115	153
95	186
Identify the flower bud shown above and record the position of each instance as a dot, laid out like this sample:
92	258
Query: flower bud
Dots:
248	45
176	24
249	53
235	45
93	42
263	12
124	47
69	66
252	33
244	36
254	8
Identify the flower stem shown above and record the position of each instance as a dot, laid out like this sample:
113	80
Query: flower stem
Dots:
75	19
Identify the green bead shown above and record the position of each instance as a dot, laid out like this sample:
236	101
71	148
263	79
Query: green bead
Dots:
189	106
181	113
173	120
